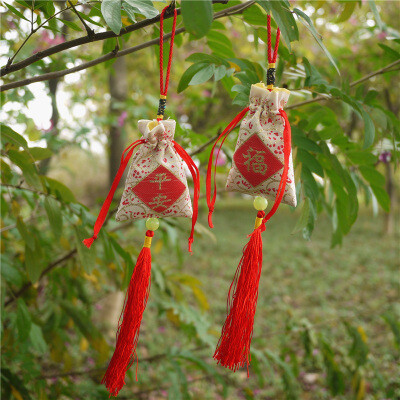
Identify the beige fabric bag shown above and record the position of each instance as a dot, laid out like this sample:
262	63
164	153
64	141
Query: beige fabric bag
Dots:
156	184
258	159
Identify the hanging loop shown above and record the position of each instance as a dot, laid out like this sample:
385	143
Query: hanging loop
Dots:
164	89
272	56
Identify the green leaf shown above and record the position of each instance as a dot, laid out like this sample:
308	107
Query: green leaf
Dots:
10	273
206	59
188	75
111	10
87	257
220	72
23	321
310	161
347	12
394	324
284	19
34	261
70	24
369	129
29	171
59	190
15	11
255	16
203	75
39	153
305	143
361	157
54	215
310	186
303	220
371	175
382	197
37	339
376	13
306	21
220	49
10	136
27	236
144	7
197	16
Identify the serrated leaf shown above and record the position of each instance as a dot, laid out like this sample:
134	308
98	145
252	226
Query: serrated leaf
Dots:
54	215
197	16
111	11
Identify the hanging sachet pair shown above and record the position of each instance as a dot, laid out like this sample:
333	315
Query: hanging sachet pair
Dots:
262	166
155	187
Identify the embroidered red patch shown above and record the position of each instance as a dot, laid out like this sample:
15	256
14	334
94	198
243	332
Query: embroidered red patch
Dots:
255	161
160	189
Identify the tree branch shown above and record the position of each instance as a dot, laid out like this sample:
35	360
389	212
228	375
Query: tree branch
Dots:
352	84
106	35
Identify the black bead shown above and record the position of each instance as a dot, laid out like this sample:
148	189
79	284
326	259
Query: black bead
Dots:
271	76
161	106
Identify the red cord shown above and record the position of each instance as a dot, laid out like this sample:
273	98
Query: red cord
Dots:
287	148
272	57
223	136
107	202
196	181
164	90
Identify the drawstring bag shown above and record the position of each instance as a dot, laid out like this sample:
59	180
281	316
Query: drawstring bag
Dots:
262	166
155	187
258	160
156	183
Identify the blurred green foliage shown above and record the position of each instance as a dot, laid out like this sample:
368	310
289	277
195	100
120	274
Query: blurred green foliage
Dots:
60	300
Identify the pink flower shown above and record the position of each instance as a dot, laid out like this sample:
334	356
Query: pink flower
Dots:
46	41
122	118
381	35
353	21
385	157
221	158
206	93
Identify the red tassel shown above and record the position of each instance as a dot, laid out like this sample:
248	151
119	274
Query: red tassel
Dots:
233	349
128	330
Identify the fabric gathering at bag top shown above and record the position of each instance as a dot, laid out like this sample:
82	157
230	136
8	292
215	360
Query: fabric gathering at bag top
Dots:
156	186
262	166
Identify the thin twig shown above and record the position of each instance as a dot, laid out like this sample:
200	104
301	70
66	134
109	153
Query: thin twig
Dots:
352	84
89	30
205	145
106	35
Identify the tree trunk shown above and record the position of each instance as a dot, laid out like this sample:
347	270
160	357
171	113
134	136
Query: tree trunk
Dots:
118	92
